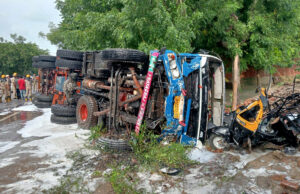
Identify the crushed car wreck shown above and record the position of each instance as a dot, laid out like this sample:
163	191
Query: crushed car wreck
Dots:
260	122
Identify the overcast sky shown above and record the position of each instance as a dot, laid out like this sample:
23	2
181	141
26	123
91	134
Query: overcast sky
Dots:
28	18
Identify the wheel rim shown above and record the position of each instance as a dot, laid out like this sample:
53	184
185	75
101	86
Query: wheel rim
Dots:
83	112
219	142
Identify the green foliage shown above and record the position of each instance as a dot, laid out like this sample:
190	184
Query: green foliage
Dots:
153	154
140	24
96	132
69	184
17	56
120	181
263	32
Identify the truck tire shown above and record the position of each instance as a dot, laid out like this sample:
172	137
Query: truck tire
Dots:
69	54
35	58
70	64
85	108
45	64
35	64
40	104
114	144
47	58
62	120
63	110
121	55
44	98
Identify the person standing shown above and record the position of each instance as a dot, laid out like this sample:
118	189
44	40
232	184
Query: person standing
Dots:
28	85
17	88
2	87
34	83
13	86
7	89
22	87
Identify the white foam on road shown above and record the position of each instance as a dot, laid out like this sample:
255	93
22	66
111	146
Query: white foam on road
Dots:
4	146
54	142
27	107
201	155
7	161
246	158
5	112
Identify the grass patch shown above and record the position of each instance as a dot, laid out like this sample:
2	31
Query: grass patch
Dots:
155	155
121	181
97	131
69	184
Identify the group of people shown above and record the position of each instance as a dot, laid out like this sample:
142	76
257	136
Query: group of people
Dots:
17	87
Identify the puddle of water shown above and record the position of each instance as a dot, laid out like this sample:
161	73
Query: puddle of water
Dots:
17	116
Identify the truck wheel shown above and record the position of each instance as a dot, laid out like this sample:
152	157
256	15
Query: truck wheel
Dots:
70	64
35	64
69	54
47	58
35	58
62	120
44	98
40	104
86	106
217	142
45	64
63	110
121	55
114	144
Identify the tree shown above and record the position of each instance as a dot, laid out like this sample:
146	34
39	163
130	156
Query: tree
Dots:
257	33
254	33
17	56
94	25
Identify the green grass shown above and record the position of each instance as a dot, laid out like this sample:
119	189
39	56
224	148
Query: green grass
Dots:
96	132
69	184
155	155
121	181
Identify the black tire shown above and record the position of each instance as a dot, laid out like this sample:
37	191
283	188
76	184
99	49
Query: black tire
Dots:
47	58
35	58
62	120
113	144
121	55
45	64
35	64
40	104
70	64
214	144
69	54
63	110
85	108
44	98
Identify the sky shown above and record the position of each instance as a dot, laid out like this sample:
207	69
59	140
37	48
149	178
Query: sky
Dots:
27	18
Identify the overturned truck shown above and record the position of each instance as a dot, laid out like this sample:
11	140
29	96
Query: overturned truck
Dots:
172	94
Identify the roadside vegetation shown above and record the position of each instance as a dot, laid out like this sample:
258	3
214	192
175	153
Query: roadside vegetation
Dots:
16	56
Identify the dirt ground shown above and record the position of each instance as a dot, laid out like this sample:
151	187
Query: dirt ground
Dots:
38	156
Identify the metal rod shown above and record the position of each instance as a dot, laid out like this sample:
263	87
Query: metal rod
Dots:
116	99
110	100
136	82
200	103
133	99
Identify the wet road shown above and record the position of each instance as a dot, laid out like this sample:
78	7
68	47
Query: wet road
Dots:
32	150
